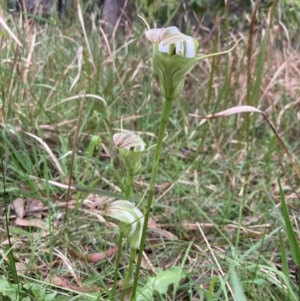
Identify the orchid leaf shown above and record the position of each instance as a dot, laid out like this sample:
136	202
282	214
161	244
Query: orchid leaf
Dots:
160	283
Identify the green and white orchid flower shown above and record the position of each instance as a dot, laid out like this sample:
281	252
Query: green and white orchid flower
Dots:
131	220
131	148
174	56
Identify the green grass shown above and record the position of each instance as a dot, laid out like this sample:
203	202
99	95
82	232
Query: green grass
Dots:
217	209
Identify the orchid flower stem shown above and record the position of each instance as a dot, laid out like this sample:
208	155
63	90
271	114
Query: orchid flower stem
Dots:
118	257
129	272
128	187
155	165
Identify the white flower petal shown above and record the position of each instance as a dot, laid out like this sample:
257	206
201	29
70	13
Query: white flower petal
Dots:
190	48
175	38
128	140
158	35
164	48
153	35
117	211
127	213
185	45
187	48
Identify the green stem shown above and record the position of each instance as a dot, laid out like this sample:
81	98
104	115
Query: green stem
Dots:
129	272
129	186
127	196
113	291
163	123
298	268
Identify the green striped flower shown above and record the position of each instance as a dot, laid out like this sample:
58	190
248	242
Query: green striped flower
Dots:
174	56
131	220
131	148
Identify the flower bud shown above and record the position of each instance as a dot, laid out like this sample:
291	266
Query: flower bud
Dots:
131	148
131	220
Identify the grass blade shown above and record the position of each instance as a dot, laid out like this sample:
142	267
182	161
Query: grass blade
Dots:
294	247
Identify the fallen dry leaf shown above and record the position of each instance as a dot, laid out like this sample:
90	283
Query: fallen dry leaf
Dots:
146	263
30	223
34	205
94	201
21	267
18	206
96	257
152	224
64	283
164	233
